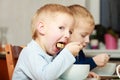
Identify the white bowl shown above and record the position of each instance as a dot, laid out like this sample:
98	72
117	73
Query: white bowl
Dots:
76	72
107	70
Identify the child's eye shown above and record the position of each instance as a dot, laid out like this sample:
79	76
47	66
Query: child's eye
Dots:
61	27
70	32
83	35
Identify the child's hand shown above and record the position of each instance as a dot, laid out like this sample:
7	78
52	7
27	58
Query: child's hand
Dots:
93	75
101	59
74	47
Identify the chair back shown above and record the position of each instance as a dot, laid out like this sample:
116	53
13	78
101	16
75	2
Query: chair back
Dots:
12	54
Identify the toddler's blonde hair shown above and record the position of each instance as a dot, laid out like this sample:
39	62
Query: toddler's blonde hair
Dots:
81	12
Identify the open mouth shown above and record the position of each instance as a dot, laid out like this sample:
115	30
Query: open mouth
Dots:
60	45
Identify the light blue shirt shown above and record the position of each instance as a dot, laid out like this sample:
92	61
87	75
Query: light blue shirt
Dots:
35	64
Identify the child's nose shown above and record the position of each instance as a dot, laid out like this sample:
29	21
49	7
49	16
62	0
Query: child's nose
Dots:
67	34
87	40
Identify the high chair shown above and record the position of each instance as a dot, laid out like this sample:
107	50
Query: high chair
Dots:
12	54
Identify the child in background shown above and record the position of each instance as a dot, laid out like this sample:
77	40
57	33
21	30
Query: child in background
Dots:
39	60
84	25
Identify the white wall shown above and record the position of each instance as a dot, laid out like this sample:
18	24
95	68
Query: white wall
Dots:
94	7
16	15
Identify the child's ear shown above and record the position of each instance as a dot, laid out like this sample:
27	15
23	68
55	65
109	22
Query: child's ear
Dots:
41	28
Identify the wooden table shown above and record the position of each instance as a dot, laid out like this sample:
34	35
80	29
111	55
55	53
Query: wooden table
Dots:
113	77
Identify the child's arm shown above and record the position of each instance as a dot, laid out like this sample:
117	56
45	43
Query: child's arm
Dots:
44	67
60	63
82	59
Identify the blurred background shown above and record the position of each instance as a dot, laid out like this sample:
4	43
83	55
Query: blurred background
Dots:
15	16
